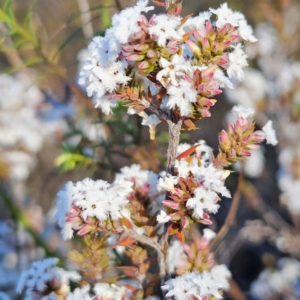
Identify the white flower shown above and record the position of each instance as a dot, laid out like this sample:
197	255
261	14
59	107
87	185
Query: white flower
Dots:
209	234
95	198
198	22
80	294
44	275
204	153
227	16
246	31
175	256
181	96
125	23
204	200
198	285
237	61
109	291
167	183
173	69
164	28
162	217
270	134
239	111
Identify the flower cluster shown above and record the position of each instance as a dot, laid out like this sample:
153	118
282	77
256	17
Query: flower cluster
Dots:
181	63
193	194
46	281
195	285
88	204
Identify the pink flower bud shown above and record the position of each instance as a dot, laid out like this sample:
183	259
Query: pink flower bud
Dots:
135	57
171	204
194	48
86	229
258	136
143	65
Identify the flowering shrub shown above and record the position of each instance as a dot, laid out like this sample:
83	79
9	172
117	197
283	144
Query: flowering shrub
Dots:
170	67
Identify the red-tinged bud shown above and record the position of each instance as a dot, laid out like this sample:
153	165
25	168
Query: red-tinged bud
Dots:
205	112
258	136
198	36
209	102
210	263
222	31
224	141
205	44
178	192
194	48
171	204
225	44
128	48
244	152
86	229
209	27
74	219
243	121
206	221
230	128
232	153
178	9
143	65
185	222
135	57
187	249
175	217
143	21
238	127
222	61
253	147
141	47
234	38
172	44
170	50
151	53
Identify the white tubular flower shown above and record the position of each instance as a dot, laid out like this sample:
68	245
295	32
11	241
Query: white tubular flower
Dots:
209	234
162	217
152	121
237	61
270	134
198	22
132	111
177	67
165	28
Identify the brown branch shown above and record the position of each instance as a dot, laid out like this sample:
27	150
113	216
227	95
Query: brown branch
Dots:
235	291
231	215
153	244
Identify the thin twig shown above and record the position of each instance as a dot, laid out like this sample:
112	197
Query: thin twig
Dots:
235	291
232	213
153	244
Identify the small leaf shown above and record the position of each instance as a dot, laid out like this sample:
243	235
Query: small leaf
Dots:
172	229
180	236
130	271
188	152
125	242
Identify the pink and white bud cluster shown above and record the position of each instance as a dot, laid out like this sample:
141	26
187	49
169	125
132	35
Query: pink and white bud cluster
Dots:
177	60
241	138
88	205
195	285
45	279
193	194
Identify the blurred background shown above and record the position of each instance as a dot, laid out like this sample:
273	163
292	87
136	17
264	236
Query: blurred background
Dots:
50	133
